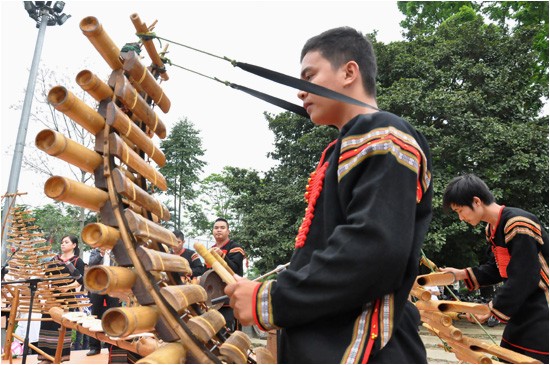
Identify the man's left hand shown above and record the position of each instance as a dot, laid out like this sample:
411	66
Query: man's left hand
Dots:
240	294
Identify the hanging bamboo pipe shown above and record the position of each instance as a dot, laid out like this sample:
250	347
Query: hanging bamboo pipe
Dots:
125	321
132	100
57	145
171	353
215	264
206	325
149	45
92	29
235	348
134	193
512	357
67	103
154	260
73	192
141	75
90	83
437	278
126	127
182	296
120	149
453	306
420	293
98	235
102	279
146	229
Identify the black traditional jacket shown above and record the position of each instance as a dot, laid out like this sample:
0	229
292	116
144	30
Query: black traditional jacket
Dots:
344	297
195	263
519	259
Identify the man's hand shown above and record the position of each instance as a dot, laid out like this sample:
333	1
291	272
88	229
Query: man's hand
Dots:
482	318
460	274
240	294
217	250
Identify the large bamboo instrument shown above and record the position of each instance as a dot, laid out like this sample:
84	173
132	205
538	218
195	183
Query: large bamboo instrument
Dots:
174	311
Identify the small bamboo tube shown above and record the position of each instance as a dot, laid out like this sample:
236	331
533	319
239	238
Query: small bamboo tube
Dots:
171	353
264	356
452	306
235	349
144	228
125	321
428	316
438	278
154	260
98	235
119	148
205	326
216	266
428	263
57	145
92	84
510	356
135	194
67	103
132	100
125	126
102	279
73	192
148	44
141	75
420	293
144	346
464	353
221	261
92	29
182	296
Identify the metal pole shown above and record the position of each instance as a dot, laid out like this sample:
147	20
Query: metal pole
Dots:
22	132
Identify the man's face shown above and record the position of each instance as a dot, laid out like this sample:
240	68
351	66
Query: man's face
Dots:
220	231
318	70
467	214
180	242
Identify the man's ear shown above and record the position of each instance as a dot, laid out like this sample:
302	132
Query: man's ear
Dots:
351	72
476	201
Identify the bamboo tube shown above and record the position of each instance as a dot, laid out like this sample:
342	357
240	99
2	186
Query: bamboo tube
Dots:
235	349
205	326
102	279
120	149
73	192
134	193
264	356
438	278
428	263
57	145
221	261
125	126
93	85
92	29
215	264
98	235
510	356
171	353
132	100
143	78
420	293
144	346
144	228
182	296
149	45
452	306
125	321
464	353
154	260
67	103
428	316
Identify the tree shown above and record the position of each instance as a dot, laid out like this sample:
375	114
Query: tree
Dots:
183	148
468	86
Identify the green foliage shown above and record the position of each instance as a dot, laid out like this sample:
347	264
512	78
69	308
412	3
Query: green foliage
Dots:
56	222
468	86
183	149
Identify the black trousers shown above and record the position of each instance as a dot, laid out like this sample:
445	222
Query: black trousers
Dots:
100	303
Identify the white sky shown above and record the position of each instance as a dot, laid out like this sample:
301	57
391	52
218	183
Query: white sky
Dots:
231	123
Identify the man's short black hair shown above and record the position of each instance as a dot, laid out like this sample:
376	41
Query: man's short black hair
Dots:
344	44
462	190
222	220
179	234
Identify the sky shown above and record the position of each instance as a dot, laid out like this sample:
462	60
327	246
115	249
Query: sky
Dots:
231	124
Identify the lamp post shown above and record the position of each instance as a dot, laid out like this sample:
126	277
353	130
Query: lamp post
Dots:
44	14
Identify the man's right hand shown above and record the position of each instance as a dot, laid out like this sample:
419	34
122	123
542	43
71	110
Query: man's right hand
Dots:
460	274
